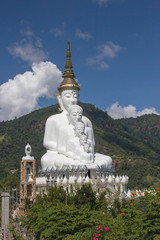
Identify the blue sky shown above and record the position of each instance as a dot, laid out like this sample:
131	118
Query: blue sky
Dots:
115	46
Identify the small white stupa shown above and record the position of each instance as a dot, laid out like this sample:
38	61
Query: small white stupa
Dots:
28	150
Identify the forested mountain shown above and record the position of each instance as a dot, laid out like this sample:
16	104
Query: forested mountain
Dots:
134	144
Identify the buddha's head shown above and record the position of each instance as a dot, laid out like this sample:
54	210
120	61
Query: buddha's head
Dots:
83	139
69	87
86	147
79	128
69	97
75	114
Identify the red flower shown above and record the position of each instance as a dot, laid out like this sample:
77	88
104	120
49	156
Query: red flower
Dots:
131	204
157	188
95	238
122	214
97	228
106	229
97	235
134	194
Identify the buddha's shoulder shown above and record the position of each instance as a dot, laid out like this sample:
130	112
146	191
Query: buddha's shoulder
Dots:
56	118
86	120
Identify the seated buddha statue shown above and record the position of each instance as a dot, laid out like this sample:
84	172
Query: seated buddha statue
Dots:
60	128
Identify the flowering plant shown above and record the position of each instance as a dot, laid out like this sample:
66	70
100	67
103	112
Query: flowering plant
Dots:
122	214
100	232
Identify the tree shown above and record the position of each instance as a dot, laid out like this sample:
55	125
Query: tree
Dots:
85	195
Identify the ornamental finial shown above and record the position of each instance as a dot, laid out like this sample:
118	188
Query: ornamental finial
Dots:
68	75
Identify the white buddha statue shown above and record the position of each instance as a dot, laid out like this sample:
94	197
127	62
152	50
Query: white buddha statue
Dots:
87	156
72	142
65	127
75	113
79	128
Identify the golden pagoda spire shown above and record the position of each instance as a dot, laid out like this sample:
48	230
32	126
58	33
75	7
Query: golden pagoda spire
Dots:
68	75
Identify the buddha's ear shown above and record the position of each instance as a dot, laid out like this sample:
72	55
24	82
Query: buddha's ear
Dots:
59	100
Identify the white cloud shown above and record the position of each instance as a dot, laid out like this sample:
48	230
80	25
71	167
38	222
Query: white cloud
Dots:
117	112
28	49
102	2
82	35
100	64
20	95
59	31
108	50
27	52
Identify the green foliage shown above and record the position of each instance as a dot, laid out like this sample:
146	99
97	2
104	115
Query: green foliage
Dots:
55	194
137	218
15	134
9	183
16	236
51	218
85	195
101	201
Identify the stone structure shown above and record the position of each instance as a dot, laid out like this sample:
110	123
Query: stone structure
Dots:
28	179
5	214
69	141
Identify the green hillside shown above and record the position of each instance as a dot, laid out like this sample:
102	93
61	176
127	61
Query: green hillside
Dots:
132	143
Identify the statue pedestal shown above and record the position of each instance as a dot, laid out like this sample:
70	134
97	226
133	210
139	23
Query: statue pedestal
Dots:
53	160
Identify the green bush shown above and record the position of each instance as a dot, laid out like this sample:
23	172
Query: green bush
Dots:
50	218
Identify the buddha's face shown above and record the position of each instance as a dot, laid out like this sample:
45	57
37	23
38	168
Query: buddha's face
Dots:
83	140
75	116
79	129
86	148
69	97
